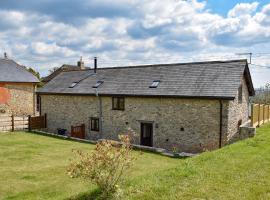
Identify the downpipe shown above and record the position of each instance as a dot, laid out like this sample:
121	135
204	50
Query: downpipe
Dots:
220	122
100	113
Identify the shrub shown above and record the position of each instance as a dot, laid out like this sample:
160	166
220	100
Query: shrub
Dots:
105	166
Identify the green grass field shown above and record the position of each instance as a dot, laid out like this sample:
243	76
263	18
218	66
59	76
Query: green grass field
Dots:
33	167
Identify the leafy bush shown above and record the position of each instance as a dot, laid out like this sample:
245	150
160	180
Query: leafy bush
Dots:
105	166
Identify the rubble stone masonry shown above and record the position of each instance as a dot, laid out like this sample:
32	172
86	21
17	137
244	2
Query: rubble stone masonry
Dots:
190	125
17	98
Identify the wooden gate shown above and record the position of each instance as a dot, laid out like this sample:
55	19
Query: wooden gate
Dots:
38	122
13	123
78	131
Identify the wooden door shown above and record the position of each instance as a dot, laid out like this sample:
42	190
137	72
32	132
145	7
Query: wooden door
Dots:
147	134
78	131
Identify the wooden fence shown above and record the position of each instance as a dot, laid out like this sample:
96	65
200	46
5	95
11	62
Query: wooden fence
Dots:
37	122
260	114
15	123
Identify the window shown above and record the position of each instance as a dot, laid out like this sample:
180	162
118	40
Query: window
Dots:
94	124
73	84
240	94
118	103
154	84
98	84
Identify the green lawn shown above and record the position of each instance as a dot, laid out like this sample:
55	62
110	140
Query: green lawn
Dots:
33	167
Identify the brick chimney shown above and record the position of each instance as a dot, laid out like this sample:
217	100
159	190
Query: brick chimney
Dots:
81	64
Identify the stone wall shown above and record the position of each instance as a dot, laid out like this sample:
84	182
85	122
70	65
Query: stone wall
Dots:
238	111
17	98
246	131
191	125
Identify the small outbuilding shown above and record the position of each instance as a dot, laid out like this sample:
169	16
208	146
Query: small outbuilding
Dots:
17	89
189	107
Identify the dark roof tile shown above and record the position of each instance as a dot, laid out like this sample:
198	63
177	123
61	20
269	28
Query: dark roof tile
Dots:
205	79
10	71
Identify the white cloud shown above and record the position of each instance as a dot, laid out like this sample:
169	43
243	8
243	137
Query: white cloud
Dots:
243	9
42	48
156	31
12	18
263	17
242	27
266	10
169	12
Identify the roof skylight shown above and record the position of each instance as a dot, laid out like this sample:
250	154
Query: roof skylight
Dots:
154	84
73	84
98	84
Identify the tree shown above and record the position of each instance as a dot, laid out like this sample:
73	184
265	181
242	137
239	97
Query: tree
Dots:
34	72
37	74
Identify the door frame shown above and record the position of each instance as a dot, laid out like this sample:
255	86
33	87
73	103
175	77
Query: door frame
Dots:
152	131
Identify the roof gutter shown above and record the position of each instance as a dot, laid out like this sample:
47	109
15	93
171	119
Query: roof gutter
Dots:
139	95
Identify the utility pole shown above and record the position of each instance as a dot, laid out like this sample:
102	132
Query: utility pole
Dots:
246	54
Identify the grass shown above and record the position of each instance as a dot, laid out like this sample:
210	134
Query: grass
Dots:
33	167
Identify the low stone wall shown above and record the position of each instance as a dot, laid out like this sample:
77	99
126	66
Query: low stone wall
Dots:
138	147
246	131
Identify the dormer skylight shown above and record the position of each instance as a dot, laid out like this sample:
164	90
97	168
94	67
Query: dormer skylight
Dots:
154	84
98	84
73	84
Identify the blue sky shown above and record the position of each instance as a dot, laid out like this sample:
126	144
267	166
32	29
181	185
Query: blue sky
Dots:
48	33
223	6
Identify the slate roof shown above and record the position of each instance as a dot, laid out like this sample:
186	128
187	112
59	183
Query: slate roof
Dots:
10	71
217	79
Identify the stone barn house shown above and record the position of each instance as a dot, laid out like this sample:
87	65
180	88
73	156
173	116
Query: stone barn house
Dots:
191	106
17	89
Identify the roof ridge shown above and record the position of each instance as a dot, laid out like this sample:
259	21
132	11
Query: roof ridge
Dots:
9	59
69	65
163	64
17	64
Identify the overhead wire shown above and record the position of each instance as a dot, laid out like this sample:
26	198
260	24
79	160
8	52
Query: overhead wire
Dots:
180	59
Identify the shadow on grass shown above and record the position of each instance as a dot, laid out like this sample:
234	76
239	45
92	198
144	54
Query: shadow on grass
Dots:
92	195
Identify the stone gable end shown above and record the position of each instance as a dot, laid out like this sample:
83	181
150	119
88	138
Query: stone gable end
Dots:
17	98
